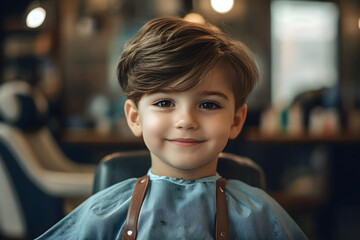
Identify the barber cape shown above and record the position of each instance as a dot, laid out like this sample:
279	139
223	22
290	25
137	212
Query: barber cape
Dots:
177	209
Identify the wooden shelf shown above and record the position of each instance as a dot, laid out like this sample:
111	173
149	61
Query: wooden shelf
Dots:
89	136
293	203
253	134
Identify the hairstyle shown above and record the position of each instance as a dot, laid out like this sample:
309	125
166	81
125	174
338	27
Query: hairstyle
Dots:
173	54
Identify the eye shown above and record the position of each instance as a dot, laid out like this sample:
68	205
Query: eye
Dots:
209	105
164	104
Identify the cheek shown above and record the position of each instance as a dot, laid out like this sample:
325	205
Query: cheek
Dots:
154	126
219	128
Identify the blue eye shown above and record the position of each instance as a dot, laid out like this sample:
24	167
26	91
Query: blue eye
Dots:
164	104
209	105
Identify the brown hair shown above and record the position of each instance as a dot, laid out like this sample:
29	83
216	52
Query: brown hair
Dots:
171	51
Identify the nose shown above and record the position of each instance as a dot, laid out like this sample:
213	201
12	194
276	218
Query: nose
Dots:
186	120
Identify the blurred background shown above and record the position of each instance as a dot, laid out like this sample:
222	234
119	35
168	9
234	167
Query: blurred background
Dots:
59	99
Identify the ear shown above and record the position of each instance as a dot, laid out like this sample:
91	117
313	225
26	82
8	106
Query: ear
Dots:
133	118
239	119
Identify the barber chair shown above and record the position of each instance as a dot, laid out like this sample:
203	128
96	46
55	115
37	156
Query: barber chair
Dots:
35	175
120	166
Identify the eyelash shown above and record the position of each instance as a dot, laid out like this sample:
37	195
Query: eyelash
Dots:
161	103
204	105
211	105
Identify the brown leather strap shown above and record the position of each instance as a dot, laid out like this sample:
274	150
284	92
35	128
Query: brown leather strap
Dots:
130	229
222	222
134	208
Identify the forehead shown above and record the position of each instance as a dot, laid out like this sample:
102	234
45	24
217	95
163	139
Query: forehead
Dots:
218	76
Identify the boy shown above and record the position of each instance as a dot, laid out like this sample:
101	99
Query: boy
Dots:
186	86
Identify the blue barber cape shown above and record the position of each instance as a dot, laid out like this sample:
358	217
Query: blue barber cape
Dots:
177	209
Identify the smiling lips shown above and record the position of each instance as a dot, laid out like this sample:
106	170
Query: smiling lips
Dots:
185	142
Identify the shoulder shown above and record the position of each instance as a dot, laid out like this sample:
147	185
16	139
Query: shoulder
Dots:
111	198
242	191
254	209
117	192
94	216
250	199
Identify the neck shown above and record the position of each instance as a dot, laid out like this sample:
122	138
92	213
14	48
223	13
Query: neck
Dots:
162	169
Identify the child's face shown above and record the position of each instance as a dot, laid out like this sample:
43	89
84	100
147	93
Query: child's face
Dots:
186	131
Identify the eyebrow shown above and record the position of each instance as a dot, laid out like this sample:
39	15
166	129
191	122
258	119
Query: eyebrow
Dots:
203	93
214	93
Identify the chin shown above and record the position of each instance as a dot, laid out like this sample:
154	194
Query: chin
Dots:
190	166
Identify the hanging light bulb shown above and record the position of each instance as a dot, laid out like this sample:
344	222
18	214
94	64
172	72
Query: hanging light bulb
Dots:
194	17
222	6
35	17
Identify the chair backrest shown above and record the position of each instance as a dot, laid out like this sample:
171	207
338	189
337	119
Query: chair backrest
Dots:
120	166
36	176
24	109
34	209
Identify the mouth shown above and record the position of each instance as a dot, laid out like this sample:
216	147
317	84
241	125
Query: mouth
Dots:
185	142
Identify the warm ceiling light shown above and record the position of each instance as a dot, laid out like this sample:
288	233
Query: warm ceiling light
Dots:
36	17
222	6
194	17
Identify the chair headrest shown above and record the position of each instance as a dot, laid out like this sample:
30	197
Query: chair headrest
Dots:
22	105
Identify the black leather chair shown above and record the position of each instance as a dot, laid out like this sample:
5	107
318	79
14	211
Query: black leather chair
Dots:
120	166
35	175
